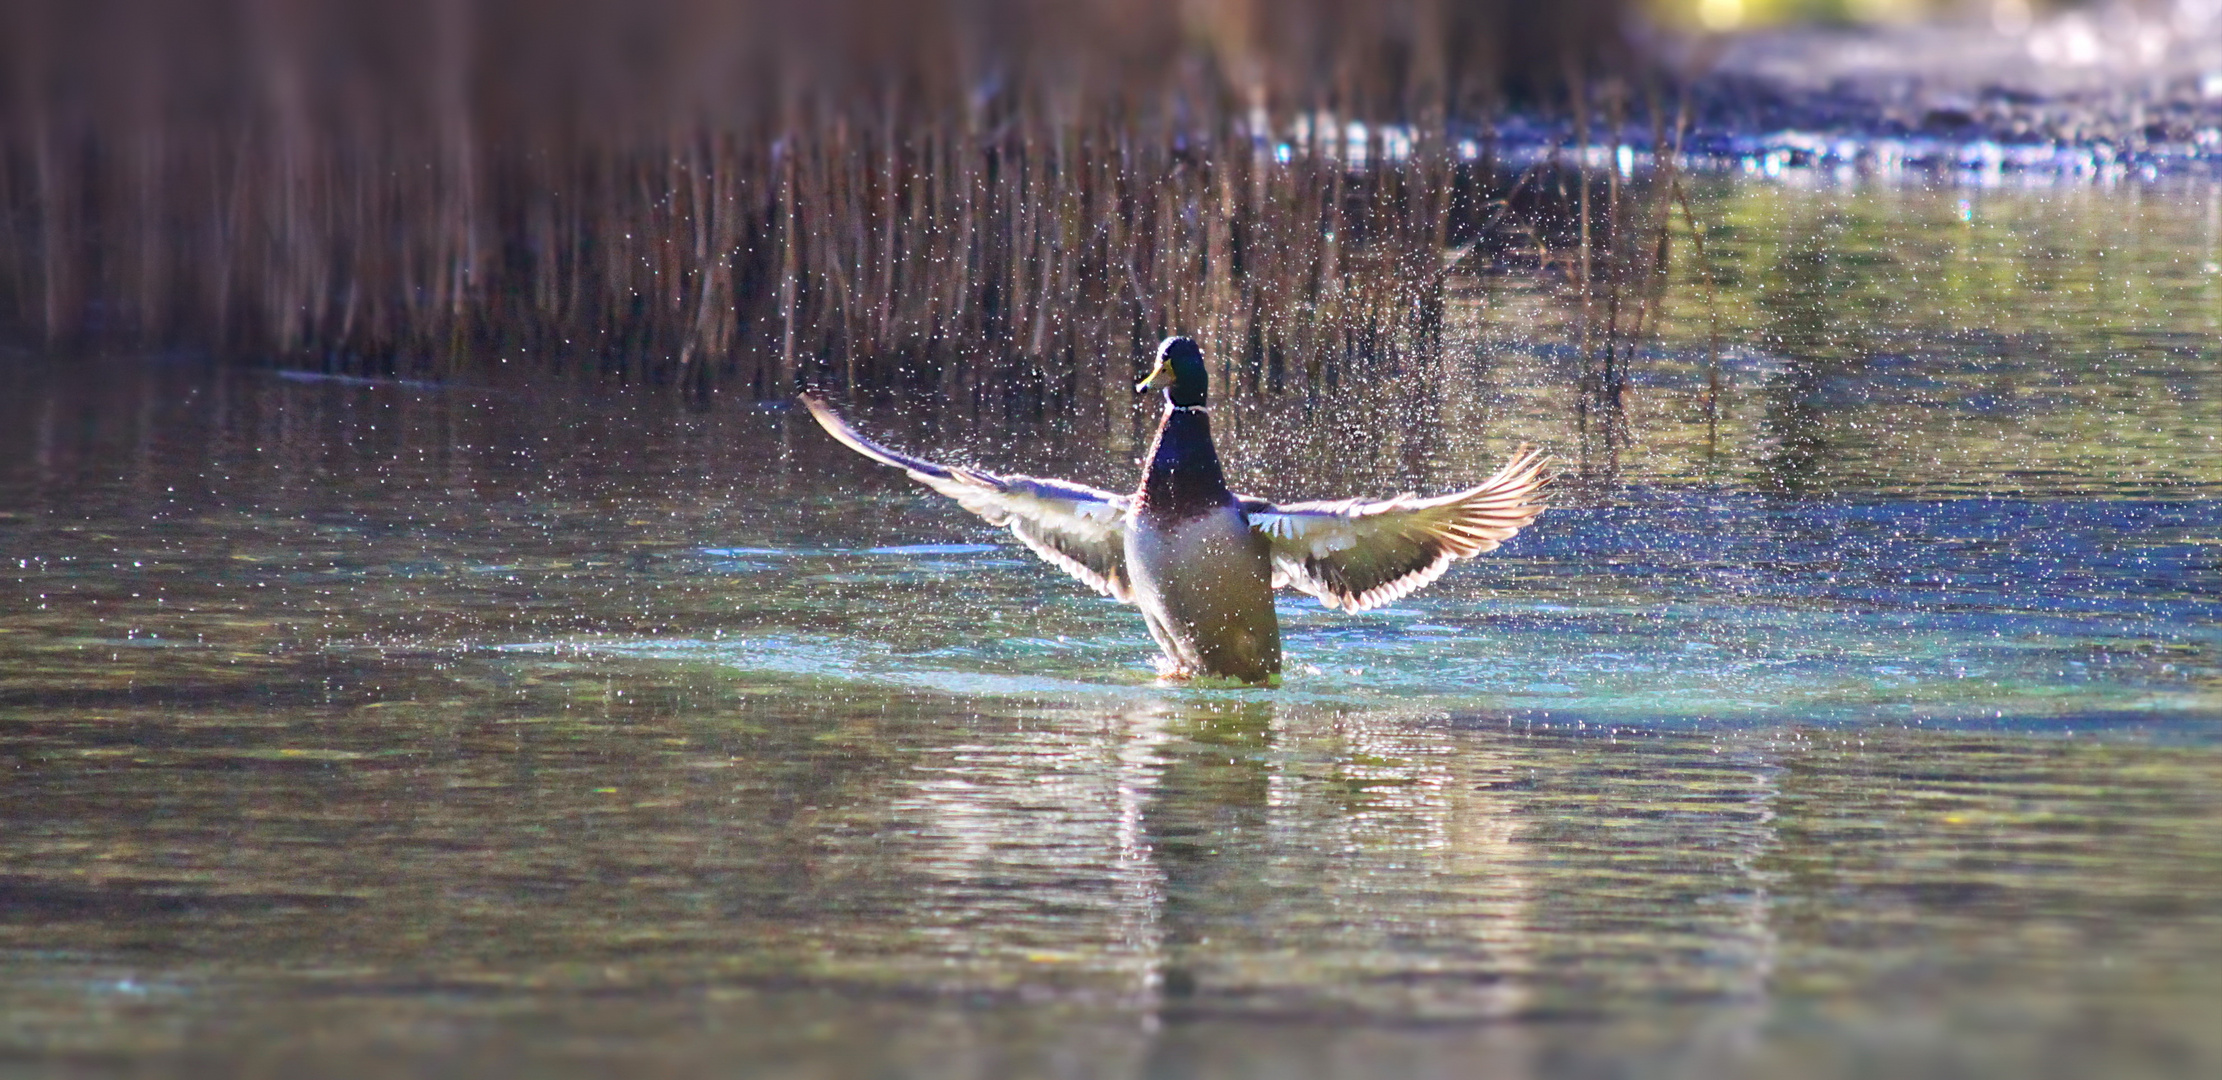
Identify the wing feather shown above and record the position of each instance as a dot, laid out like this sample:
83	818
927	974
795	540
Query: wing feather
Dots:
1075	528
1356	555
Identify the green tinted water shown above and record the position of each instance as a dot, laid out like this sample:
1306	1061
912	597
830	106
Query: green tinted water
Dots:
1862	724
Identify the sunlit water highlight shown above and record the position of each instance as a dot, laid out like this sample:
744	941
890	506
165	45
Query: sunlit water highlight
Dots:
1864	724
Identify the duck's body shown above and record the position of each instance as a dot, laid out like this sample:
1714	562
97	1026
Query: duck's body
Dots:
1200	573
1200	561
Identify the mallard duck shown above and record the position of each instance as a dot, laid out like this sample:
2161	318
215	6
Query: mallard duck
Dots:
1201	562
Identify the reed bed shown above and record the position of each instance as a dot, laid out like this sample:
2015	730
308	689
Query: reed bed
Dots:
1006	199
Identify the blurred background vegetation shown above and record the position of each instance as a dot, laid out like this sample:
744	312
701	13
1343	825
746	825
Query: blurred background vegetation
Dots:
726	192
937	195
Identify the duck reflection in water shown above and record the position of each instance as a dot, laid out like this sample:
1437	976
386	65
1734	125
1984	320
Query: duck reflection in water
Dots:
1200	561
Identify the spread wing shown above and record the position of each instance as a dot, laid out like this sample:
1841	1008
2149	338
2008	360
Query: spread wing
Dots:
1076	528
1356	555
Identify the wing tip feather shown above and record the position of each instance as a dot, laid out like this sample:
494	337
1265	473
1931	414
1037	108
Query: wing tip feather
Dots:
1479	520
847	435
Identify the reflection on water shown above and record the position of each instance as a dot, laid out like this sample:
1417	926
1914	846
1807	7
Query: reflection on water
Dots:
1867	727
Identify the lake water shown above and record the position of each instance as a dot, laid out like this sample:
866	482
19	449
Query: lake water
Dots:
1857	715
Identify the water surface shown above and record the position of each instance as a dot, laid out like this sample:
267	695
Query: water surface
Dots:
1856	717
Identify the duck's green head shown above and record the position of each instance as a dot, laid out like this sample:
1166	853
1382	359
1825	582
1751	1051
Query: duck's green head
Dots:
1179	372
